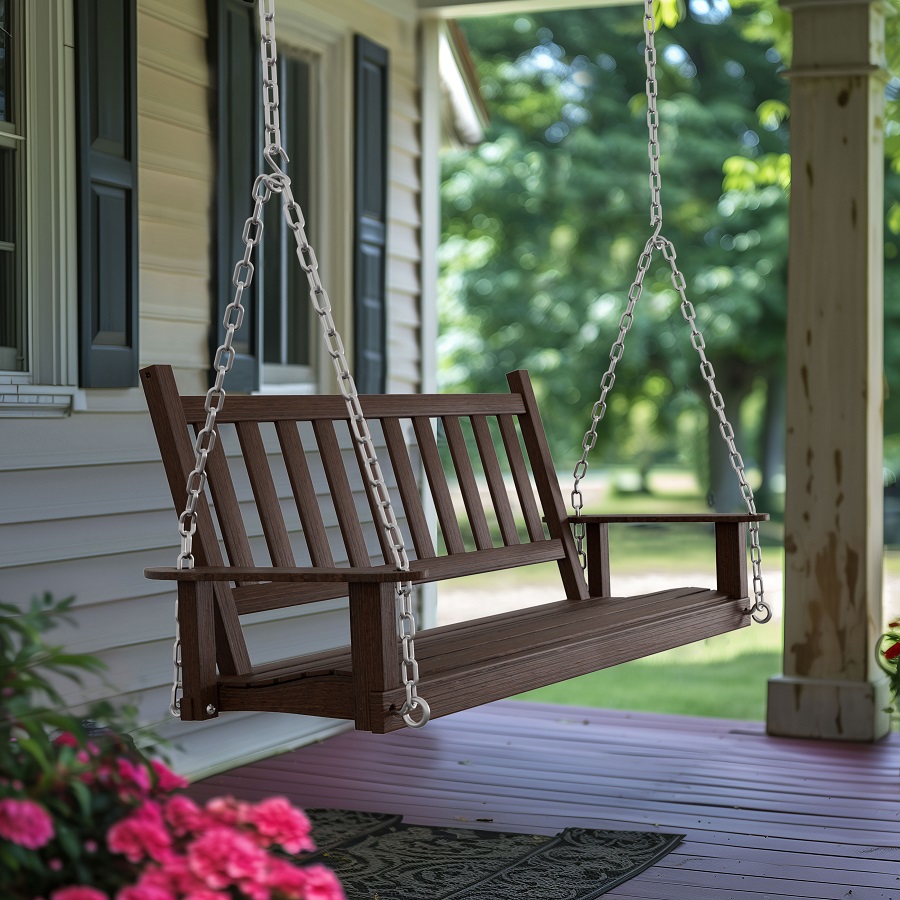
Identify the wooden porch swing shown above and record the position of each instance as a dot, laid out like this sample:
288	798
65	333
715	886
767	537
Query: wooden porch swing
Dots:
381	680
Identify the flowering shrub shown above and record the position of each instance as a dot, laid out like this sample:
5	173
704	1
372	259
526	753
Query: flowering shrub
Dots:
888	656
86	816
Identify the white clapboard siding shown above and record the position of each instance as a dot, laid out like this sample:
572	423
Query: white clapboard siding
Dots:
84	504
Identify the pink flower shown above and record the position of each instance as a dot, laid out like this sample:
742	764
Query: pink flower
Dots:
78	892
142	834
321	884
281	823
254	891
66	739
223	855
227	810
133	775
310	883
25	823
175	875
184	815
167	780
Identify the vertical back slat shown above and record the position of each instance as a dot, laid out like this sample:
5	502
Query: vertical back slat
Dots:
547	485
267	502
434	472
348	519
383	541
496	485
409	489
304	494
228	510
520	477
467	484
171	429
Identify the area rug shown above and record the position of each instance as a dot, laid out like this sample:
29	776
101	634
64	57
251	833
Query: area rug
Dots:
379	857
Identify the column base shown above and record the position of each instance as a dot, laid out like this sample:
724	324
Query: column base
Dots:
828	710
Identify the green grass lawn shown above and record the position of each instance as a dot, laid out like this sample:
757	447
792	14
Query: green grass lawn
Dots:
724	676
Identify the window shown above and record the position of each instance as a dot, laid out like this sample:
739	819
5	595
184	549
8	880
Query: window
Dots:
275	347
338	166
288	351
49	102
12	356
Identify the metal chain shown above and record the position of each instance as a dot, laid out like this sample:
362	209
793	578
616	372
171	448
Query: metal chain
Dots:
264	186
761	610
293	217
215	399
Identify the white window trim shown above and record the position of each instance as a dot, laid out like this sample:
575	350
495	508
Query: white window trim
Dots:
49	227
331	44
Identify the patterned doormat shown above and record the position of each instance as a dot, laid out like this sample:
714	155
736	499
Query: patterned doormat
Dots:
378	857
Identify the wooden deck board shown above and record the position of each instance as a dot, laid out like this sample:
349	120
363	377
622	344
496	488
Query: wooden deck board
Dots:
764	817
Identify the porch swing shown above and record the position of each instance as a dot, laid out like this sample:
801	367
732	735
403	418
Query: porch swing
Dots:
382	679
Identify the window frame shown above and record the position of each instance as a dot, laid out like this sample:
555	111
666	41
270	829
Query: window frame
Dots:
332	195
46	138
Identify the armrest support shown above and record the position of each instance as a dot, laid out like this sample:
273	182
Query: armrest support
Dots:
373	574
731	547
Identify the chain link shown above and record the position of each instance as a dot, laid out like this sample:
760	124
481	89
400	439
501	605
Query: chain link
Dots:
265	185
761	610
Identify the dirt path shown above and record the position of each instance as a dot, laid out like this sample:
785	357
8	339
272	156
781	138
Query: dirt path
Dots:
457	602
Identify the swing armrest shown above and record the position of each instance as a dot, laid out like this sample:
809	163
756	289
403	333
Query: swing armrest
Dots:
372	574
713	518
731	546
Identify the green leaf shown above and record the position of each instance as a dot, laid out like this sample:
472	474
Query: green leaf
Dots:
68	840
772	113
83	796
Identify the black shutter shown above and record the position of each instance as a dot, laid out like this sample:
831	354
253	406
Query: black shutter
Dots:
370	217
235	54
106	48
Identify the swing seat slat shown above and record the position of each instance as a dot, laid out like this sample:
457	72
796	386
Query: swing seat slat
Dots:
299	449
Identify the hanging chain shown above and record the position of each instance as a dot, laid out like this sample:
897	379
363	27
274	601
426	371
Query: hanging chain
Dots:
264	186
762	612
215	399
293	216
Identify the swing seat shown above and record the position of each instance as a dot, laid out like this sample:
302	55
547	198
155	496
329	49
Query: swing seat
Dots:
460	665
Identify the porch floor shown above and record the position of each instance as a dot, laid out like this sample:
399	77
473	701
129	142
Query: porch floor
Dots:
764	817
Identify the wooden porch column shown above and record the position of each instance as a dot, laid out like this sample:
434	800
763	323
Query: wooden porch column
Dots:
833	517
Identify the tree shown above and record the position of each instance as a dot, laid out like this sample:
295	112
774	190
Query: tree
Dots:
545	221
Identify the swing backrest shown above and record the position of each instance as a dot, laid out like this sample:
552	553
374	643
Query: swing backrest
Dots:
285	444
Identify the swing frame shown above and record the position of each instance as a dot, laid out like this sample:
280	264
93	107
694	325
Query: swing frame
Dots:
462	665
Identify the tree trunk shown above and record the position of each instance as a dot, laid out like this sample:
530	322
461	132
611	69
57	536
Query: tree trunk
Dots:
723	491
771	462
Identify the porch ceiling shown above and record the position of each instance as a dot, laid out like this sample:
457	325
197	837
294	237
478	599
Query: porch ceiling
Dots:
765	817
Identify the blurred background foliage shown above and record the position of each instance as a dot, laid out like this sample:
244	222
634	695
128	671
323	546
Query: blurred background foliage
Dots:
544	221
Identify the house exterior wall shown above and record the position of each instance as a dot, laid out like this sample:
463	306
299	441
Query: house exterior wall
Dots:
84	504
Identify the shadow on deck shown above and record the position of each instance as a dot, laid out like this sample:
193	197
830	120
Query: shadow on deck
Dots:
764	817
